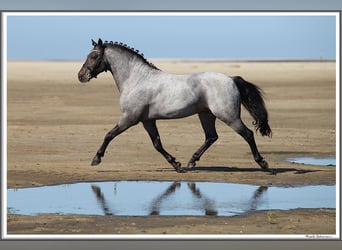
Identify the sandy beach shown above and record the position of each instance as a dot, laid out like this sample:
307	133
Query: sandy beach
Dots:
55	125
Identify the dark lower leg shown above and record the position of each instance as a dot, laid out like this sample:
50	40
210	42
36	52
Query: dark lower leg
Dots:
172	160
118	129
108	138
197	155
257	157
152	131
208	124
247	134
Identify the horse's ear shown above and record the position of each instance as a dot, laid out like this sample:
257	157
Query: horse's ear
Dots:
93	43
100	42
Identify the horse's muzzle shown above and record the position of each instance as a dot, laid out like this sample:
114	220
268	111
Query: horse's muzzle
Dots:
84	76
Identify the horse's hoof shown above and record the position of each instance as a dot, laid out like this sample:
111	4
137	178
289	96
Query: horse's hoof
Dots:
263	164
191	165
181	170
96	161
178	167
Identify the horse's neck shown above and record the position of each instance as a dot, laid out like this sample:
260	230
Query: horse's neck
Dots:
126	69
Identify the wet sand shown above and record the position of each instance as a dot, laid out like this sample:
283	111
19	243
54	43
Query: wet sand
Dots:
56	124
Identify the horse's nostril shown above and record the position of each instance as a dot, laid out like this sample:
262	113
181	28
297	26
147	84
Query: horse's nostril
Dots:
80	77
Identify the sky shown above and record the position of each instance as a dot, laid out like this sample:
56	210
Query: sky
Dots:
183	36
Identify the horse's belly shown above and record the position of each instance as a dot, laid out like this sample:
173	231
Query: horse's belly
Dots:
172	112
173	108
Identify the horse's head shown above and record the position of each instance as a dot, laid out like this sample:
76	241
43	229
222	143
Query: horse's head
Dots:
94	64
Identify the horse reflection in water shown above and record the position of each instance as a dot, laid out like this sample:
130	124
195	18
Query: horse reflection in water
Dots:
206	204
101	199
255	201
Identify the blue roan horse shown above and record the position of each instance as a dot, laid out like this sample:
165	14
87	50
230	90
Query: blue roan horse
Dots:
148	94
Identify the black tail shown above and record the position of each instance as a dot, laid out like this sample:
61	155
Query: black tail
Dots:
251	98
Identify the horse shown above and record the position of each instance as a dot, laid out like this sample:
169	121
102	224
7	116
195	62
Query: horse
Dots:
148	94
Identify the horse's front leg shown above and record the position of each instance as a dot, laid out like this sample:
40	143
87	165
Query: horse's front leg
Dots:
152	130
122	125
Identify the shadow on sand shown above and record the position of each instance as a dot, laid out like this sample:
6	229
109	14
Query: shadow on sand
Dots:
272	171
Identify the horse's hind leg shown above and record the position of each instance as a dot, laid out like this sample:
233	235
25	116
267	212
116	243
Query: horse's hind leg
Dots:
247	134
208	124
152	131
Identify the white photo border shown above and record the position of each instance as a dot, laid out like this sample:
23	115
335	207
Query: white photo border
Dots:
5	235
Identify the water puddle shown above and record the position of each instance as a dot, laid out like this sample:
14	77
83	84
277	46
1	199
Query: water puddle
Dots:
327	161
144	198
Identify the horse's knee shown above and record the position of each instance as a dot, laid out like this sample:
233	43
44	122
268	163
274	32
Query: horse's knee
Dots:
111	134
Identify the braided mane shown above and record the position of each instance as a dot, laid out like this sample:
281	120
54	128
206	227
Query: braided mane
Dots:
134	51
